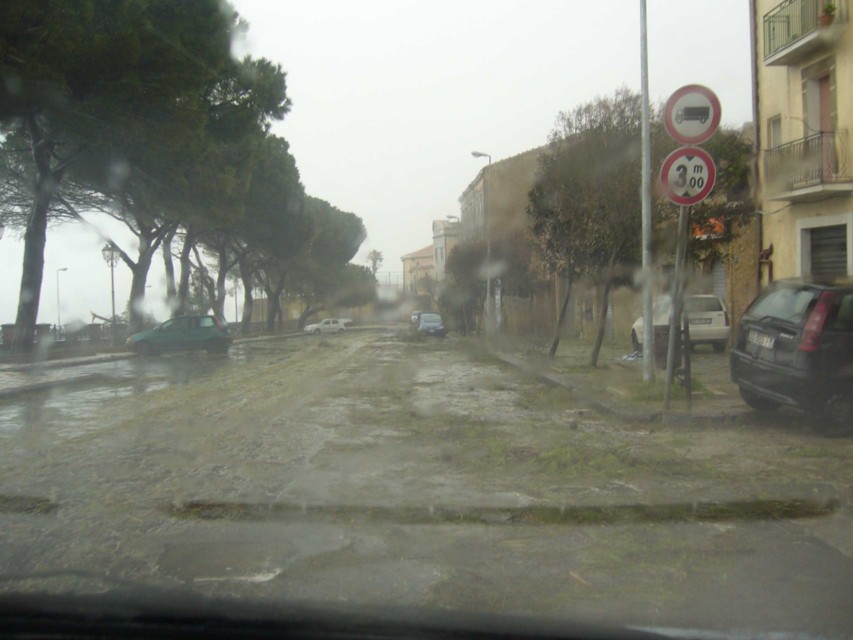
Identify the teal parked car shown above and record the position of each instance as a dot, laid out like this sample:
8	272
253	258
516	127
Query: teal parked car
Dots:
182	334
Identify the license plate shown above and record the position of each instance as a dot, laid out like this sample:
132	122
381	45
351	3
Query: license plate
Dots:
760	339
700	320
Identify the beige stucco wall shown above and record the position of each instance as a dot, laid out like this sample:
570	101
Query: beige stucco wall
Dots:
780	92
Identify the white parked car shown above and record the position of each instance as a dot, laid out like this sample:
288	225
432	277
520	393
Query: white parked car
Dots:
329	325
709	321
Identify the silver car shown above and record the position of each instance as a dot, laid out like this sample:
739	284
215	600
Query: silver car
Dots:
329	325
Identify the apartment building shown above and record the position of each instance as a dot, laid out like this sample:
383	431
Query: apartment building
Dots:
803	73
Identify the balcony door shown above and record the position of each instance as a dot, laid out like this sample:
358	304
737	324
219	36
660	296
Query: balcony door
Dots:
819	108
828	159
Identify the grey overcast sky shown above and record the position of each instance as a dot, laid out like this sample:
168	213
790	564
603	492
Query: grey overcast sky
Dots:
391	96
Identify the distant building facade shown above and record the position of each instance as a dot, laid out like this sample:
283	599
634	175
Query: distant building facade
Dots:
445	235
418	269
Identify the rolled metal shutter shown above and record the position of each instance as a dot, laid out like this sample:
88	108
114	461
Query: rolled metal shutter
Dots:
718	280
829	251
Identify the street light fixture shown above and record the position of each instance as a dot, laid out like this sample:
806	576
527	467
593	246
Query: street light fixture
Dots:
58	314
486	178
111	258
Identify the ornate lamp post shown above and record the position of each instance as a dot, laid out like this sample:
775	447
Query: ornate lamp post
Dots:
111	258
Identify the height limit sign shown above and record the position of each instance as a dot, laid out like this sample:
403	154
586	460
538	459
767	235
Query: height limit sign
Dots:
687	176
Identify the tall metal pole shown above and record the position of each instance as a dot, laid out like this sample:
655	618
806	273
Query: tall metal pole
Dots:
113	336
648	320
58	312
236	310
487	175
676	296
486	214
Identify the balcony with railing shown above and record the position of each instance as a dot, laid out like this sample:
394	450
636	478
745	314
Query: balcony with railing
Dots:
796	28
808	169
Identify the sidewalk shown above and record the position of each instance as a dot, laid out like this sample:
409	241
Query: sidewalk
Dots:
615	387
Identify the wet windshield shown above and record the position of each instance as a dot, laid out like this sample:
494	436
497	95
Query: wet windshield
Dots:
368	305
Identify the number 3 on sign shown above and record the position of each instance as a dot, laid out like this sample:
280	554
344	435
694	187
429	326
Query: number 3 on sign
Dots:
687	176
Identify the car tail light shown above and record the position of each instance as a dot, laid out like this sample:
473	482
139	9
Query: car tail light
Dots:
218	323
726	317
813	331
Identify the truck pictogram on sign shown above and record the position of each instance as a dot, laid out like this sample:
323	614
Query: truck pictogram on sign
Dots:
693	113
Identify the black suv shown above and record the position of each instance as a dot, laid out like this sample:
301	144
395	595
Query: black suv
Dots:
794	346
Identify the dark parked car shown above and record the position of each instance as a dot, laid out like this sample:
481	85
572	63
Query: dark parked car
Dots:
431	324
795	347
182	334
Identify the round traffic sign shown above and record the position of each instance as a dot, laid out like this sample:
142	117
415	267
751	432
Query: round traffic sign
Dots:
692	114
687	175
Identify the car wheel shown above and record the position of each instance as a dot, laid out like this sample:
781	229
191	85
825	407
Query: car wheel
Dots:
215	346
145	349
835	410
635	342
757	402
316	332
719	346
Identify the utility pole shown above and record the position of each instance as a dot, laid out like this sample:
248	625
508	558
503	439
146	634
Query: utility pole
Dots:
648	320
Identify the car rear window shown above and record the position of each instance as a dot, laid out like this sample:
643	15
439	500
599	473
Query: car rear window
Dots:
704	304
843	320
789	304
206	322
430	317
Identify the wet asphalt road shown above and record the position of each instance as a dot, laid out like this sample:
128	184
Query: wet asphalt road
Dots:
70	407
365	469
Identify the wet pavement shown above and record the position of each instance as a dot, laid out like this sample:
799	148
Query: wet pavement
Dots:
379	469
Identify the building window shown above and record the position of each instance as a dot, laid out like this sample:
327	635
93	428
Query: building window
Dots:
825	246
774	132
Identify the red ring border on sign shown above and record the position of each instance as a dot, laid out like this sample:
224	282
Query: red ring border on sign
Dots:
670	160
670	104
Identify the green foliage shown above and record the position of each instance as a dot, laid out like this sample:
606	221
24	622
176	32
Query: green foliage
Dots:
716	220
138	108
585	205
465	288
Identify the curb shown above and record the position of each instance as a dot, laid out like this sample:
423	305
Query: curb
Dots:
60	363
52	384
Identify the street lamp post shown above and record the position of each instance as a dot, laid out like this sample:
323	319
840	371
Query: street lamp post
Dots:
486	179
111	259
58	313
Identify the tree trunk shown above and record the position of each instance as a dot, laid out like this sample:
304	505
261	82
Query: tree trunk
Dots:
136	303
248	300
35	239
273	304
602	321
171	291
184	283
307	312
559	329
221	275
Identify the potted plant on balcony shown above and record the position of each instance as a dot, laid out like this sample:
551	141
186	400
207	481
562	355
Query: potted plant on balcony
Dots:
828	15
